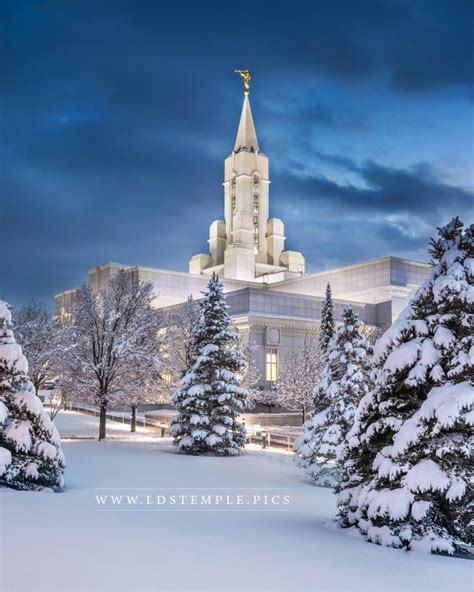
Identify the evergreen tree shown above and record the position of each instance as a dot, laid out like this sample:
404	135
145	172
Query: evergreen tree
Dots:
344	381
209	398
409	448
327	321
30	453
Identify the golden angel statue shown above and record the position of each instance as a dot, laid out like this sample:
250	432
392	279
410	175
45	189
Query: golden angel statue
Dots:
246	76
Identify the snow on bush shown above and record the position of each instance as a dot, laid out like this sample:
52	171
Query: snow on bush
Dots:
344	381
412	434
210	398
30	453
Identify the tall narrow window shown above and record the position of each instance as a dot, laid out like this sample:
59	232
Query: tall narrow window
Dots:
167	377
233	195
271	364
255	211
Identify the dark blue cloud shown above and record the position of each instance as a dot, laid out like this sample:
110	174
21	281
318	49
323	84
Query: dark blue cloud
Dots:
117	115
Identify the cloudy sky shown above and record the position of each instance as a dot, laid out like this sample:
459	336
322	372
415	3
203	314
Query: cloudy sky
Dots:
116	117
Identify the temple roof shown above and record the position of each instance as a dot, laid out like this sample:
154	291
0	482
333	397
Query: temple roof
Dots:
246	135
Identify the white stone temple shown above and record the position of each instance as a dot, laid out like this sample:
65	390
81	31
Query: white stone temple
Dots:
247	245
273	302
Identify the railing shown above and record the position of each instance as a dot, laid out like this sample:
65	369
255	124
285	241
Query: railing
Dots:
269	439
120	416
265	437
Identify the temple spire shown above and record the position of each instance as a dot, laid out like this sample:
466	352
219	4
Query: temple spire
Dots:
246	135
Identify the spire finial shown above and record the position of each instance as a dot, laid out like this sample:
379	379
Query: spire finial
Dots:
246	76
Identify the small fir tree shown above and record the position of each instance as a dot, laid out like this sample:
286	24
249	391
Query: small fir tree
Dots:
30	453
409	448
344	382
209	398
327	321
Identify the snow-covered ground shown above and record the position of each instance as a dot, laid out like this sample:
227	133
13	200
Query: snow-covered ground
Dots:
77	425
64	542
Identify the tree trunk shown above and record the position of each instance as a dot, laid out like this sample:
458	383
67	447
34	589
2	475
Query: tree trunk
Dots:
304	413
37	385
133	420
102	419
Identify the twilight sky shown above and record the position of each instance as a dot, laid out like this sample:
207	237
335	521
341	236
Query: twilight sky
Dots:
116	117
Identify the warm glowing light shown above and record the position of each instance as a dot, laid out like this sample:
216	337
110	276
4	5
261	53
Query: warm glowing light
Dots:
272	364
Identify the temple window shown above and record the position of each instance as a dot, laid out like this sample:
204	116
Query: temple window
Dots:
271	364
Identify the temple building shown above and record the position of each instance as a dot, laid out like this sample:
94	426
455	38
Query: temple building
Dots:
247	245
274	304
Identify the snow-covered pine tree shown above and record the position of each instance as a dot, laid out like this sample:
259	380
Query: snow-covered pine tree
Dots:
209	398
30	453
344	381
327	321
409	448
